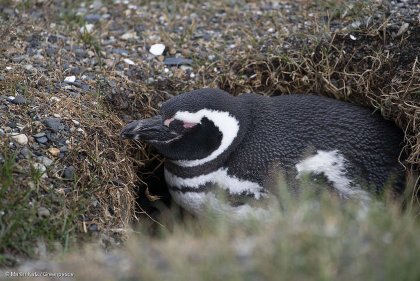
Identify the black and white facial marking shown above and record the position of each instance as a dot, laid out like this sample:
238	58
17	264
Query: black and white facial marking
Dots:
226	125
193	128
332	165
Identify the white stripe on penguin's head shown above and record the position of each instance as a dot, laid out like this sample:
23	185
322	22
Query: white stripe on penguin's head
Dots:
227	124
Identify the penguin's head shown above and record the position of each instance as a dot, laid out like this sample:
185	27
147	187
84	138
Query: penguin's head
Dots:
193	128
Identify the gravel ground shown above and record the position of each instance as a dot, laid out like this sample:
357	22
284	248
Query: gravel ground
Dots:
73	72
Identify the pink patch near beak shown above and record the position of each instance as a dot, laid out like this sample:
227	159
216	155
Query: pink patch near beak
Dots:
168	121
188	125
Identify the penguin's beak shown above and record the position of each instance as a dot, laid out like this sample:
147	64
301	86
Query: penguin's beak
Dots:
149	130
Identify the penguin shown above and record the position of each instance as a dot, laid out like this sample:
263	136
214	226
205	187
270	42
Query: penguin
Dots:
224	154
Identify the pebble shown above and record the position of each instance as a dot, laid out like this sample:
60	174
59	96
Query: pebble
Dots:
87	28
92	18
25	152
69	172
12	124
75	71
121	52
54	151
70	79
29	67
44	160
403	29
19	99
21	139
54	124
51	51
41	169
43	212
129	35
177	61
39	135
172	51
19	58
157	49
42	140
128	61
93	227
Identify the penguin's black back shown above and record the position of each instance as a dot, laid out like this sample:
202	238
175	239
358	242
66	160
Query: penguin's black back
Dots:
285	129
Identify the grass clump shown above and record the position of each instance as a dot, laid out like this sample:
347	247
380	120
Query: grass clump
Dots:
33	222
310	239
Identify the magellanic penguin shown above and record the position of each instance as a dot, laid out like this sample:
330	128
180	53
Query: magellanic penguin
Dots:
218	145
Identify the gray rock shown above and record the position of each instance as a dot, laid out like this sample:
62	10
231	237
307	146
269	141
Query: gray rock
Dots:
19	58
12	124
80	53
39	135
41	169
51	51
2	78
42	140
112	83
26	153
43	212
177	61
53	124
93	227
52	39
75	70
45	161
92	18
121	52
19	99
69	172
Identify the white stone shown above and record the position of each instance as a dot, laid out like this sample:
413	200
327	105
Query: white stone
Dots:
88	28
70	79
157	49
129	35
21	139
128	61
352	37
29	67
